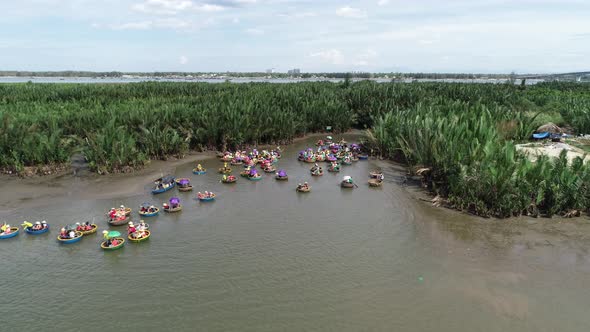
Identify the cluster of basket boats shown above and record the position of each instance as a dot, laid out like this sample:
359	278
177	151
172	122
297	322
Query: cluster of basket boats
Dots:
74	233
335	154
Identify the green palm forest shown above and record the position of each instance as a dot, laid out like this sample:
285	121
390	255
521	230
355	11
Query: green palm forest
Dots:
463	134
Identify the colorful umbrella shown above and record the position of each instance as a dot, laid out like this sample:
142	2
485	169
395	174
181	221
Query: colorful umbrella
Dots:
174	200
113	234
184	182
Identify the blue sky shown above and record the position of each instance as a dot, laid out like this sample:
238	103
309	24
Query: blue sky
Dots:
317	36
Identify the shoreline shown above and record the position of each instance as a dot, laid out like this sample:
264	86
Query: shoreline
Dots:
31	191
58	170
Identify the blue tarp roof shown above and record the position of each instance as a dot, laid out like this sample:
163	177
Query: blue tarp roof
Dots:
541	135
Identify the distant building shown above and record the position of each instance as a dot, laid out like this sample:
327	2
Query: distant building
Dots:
270	71
295	71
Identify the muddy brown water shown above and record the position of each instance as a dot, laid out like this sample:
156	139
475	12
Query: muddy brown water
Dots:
265	258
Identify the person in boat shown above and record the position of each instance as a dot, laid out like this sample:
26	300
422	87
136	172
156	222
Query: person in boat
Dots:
231	178
122	208
112	213
131	228
107	239
120	217
6	229
199	167
114	242
44	224
141	231
37	226
224	177
78	226
380	177
142	226
166	206
63	234
199	195
72	234
3	227
152	209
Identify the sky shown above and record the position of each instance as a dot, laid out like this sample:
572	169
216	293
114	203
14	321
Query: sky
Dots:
483	36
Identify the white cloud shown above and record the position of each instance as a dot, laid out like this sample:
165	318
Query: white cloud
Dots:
382	2
351	12
332	56
208	8
298	15
254	31
165	23
183	60
235	20
173	7
144	25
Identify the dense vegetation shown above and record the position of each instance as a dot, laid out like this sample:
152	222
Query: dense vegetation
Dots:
461	135
462	142
124	125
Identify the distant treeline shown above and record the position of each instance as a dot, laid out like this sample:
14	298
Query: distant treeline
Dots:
342	75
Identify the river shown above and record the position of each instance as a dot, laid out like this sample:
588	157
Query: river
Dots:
265	258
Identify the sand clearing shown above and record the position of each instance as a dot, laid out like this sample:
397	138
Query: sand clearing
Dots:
533	150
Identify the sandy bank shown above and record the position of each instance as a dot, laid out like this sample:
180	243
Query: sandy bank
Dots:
553	150
41	190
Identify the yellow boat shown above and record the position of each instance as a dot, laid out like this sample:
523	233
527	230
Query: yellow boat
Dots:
176	209
136	240
92	231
